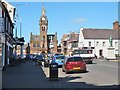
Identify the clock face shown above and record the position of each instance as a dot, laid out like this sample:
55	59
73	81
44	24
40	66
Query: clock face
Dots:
43	18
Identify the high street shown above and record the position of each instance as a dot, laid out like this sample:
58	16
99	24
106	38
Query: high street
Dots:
27	75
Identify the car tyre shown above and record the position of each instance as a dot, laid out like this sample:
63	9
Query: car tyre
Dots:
63	70
90	62
66	72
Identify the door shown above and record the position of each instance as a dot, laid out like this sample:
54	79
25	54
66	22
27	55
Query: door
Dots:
100	53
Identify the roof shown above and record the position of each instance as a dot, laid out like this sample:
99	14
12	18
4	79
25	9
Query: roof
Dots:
90	33
11	10
74	37
35	37
64	37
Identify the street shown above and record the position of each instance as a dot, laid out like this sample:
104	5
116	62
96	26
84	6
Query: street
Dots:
100	74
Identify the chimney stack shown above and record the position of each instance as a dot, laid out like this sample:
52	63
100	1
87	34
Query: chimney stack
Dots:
116	25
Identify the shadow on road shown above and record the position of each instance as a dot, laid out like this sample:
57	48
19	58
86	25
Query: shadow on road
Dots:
69	82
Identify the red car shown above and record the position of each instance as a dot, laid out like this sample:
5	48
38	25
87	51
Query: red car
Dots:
74	63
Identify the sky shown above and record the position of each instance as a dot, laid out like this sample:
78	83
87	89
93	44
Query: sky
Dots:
64	17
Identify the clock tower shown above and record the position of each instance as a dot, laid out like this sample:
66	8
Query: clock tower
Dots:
43	30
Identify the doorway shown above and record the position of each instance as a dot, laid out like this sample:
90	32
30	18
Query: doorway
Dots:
101	53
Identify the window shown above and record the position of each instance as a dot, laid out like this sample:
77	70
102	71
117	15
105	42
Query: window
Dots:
74	44
97	43
89	44
43	46
9	29
43	28
103	43
116	44
60	57
65	43
38	44
34	44
75	59
6	23
43	38
65	51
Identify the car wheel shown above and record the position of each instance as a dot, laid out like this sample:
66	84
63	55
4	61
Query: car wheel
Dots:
84	71
66	72
63	70
90	62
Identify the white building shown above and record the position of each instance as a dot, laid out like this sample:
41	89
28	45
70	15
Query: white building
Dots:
98	40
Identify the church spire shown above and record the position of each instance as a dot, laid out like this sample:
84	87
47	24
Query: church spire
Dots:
43	10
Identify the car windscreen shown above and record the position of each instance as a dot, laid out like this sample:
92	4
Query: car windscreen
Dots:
60	57
72	59
39	56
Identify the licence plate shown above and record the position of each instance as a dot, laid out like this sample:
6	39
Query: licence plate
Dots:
77	68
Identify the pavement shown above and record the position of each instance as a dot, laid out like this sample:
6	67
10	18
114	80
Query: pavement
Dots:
27	75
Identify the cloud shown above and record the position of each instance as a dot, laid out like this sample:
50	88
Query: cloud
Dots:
79	20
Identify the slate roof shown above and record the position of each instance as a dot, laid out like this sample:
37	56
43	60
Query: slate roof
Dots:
74	37
90	33
35	37
64	37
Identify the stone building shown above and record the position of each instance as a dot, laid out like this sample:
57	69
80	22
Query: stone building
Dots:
43	43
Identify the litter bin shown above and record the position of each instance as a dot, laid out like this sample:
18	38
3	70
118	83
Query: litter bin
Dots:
53	72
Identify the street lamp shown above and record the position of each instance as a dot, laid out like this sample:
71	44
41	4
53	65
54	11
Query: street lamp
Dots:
20	17
21	39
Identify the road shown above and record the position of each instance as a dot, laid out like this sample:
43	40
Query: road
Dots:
100	74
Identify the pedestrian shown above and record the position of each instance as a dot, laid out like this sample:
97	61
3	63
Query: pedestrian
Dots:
18	60
95	56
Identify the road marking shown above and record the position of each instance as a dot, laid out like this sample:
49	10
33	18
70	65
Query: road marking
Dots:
110	60
115	60
109	66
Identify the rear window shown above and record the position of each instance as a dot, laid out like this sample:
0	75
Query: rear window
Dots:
75	59
60	57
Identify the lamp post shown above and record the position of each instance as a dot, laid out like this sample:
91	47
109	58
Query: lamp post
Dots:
21	38
20	17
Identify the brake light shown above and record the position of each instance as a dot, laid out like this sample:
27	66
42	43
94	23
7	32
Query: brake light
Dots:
68	63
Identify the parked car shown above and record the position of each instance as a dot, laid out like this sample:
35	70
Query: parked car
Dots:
40	58
57	54
23	57
73	64
59	59
88	60
34	57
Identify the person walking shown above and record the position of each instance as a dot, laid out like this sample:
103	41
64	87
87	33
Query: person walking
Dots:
18	60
